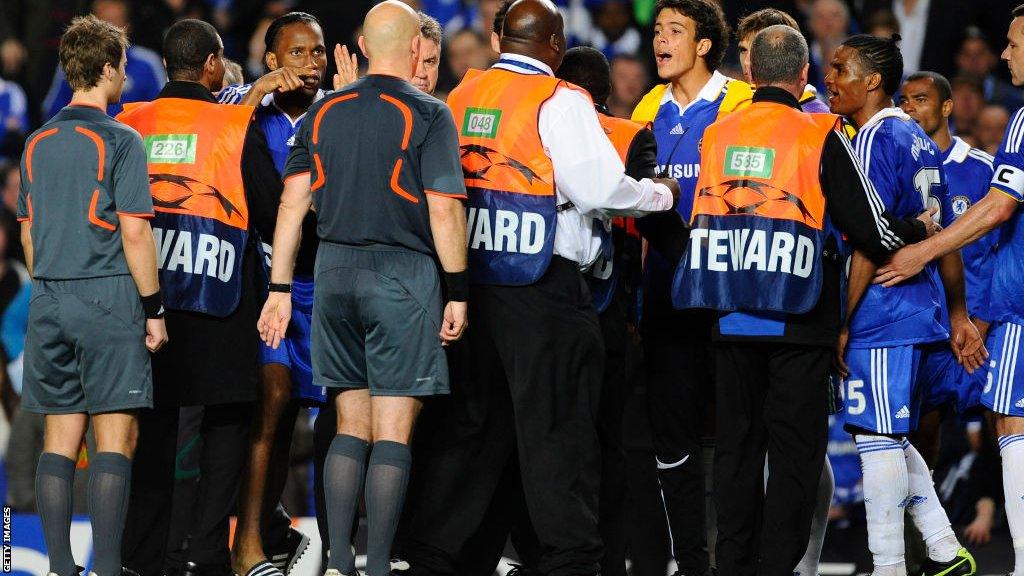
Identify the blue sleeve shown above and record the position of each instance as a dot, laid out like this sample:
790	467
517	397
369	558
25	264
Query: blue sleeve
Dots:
19	107
881	170
1008	176
980	255
233	94
15	322
58	97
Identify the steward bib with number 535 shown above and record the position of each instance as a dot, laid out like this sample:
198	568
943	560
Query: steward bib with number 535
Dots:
194	154
758	214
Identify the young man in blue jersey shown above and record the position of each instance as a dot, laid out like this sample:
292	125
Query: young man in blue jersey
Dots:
690	39
295	50
1004	390
893	331
927	98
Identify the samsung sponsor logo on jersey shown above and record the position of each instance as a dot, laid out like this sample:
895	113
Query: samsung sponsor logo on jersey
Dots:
679	170
745	249
505	230
208	254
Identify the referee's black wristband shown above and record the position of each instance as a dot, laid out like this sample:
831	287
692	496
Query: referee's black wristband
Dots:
284	288
153	306
457	284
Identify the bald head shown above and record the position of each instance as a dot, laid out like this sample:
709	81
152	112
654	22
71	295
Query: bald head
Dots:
390	39
534	28
778	57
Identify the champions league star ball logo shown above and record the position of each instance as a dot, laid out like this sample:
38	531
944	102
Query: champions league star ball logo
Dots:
960	204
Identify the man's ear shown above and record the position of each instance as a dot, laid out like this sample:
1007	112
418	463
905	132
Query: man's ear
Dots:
270	60
703	47
362	45
874	81
805	73
947	108
211	63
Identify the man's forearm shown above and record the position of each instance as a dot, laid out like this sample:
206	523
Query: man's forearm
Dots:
862	270
140	254
448	227
26	244
295	201
951	270
991	211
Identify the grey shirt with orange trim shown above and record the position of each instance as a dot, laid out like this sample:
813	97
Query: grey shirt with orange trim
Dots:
80	171
375	150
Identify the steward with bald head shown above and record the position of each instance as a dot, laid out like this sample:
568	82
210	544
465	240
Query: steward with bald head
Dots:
541	176
379	160
785	186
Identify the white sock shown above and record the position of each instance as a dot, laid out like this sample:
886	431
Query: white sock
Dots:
1011	448
885	489
926	510
808	565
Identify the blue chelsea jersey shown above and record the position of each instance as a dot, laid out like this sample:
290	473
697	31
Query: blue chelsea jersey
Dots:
1007	301
968	172
277	126
905	168
679	131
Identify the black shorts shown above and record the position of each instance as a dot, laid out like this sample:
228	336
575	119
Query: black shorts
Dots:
85	347
376	321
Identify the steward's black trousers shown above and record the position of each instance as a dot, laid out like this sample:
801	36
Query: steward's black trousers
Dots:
771	397
531	384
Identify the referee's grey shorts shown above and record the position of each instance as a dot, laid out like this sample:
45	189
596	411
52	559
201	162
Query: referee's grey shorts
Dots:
376	319
85	347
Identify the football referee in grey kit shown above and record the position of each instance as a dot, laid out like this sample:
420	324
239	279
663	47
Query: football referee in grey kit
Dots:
378	326
84	206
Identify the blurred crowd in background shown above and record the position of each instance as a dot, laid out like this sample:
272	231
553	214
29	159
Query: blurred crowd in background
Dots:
959	39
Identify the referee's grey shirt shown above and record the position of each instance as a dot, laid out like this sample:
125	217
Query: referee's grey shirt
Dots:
80	171
374	150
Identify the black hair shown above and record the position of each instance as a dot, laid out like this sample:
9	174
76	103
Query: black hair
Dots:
587	68
499	17
187	45
880	55
710	21
1018	11
274	30
938	80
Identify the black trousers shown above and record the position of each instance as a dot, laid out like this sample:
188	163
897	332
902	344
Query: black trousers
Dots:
532	385
771	398
680	391
224	434
507	511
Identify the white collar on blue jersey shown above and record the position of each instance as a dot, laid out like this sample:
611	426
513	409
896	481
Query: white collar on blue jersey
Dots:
959	151
522	64
882	114
709	92
268	100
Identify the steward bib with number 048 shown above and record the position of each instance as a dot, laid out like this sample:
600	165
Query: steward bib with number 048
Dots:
510	181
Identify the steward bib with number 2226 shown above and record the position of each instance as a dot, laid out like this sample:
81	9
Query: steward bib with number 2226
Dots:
758	215
510	181
194	153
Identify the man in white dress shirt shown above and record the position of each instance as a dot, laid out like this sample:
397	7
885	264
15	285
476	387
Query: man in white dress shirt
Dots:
540	175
